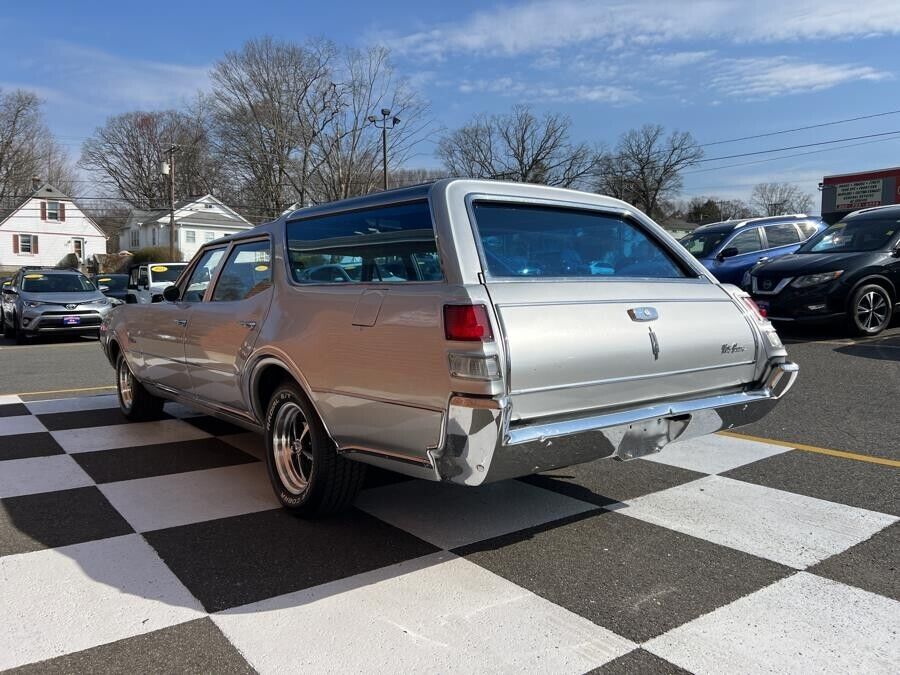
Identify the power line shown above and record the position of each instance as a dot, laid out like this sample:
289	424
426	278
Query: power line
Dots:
810	126
795	147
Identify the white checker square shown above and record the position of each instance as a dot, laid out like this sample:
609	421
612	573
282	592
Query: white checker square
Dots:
57	601
20	424
6	399
127	435
802	624
41	474
714	453
434	614
452	515
791	529
178	499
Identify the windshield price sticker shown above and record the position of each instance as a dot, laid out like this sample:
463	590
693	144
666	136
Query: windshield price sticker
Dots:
159	268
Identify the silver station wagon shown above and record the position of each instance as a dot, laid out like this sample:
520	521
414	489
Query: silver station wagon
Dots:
463	331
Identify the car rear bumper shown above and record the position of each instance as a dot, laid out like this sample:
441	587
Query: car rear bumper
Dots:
481	446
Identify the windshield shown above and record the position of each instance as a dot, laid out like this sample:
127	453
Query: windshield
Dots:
56	283
851	236
524	240
117	282
702	244
166	272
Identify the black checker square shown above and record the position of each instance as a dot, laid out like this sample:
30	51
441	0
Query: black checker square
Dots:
230	562
146	461
54	519
13	410
85	419
23	446
193	647
871	565
636	579
607	481
214	426
639	662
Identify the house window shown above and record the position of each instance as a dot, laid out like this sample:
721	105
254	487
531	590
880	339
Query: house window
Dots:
52	210
154	236
78	248
209	236
25	243
190	237
135	238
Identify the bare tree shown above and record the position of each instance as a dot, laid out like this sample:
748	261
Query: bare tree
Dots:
518	146
349	148
712	209
775	199
646	166
22	131
127	152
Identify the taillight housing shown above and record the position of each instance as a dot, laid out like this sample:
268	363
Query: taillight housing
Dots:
756	309
467	323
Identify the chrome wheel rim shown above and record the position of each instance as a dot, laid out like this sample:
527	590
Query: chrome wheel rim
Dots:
871	310
292	448
126	385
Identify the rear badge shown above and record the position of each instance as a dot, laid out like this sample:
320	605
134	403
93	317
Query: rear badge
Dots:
643	314
654	345
733	348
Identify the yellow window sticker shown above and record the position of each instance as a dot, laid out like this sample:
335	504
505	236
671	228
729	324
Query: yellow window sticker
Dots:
261	268
34	276
104	279
159	268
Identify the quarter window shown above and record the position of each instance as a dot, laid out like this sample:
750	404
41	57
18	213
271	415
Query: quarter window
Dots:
782	235
747	241
202	275
807	229
247	272
391	244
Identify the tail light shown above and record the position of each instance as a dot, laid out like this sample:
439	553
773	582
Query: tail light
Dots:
754	308
467	323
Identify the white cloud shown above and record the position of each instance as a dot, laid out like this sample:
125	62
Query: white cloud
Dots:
612	24
537	91
680	59
760	78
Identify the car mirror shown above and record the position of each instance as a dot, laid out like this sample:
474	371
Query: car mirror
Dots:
171	293
729	252
103	289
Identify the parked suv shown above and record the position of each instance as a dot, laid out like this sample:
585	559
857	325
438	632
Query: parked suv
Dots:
850	271
148	280
730	248
440	352
50	300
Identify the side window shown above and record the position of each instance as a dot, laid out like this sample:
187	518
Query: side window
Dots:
390	244
202	275
807	229
143	278
784	234
248	271
747	241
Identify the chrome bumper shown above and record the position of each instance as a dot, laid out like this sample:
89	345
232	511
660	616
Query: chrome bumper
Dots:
480	445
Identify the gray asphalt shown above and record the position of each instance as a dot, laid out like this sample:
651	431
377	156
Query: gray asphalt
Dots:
53	365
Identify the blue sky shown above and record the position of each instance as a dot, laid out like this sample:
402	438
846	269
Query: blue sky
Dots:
717	68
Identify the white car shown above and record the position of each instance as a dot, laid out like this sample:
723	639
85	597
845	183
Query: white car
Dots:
148	281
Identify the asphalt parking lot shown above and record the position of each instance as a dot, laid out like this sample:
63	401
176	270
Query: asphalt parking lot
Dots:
159	546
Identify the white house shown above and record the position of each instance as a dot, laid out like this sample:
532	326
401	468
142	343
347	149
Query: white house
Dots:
44	229
198	220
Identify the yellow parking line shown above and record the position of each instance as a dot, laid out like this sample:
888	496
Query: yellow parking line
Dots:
64	391
812	448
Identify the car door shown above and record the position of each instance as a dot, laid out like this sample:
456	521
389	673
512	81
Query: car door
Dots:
224	326
749	246
158	328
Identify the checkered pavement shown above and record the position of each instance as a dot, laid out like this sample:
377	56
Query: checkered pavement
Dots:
159	547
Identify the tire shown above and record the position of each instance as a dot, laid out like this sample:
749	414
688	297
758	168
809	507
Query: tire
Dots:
135	402
309	478
870	311
8	329
20	335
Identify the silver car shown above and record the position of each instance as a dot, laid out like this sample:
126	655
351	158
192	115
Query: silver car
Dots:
478	331
42	301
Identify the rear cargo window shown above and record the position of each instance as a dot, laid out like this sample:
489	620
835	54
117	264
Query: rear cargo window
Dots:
391	244
523	240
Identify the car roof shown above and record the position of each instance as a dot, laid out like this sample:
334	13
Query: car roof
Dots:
51	270
876	211
730	225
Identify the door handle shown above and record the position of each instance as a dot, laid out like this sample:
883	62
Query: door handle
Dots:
181	322
248	324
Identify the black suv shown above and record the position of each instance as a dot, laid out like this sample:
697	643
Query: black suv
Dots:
851	270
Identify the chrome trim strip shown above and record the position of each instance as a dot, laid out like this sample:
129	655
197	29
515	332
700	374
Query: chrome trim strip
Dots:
386	454
781	378
630	378
629	301
376	399
774	291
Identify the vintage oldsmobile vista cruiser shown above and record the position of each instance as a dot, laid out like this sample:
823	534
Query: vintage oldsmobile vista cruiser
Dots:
463	331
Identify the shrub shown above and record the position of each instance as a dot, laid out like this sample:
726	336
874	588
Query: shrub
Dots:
154	254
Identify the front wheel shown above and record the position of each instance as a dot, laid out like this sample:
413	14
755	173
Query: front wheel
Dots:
135	402
870	310
309	477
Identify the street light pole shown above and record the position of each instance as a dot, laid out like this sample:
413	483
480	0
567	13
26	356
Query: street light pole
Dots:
386	122
170	169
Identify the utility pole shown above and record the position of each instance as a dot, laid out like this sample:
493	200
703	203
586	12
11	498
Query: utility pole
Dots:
385	123
169	168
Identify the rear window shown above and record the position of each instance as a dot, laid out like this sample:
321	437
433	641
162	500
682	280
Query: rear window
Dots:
391	244
523	240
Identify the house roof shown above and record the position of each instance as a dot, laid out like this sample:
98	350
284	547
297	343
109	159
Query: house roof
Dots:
48	191
200	216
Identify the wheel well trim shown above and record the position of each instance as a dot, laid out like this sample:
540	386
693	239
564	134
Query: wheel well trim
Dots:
256	370
877	279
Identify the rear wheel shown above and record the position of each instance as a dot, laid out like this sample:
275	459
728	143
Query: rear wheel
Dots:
135	402
309	478
870	310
